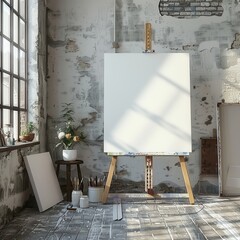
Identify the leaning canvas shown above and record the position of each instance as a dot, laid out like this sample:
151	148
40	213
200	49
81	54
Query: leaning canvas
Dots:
43	179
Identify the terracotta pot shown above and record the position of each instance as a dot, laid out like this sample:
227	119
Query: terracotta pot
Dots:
28	137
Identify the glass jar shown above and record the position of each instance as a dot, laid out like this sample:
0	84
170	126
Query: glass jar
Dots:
76	194
84	202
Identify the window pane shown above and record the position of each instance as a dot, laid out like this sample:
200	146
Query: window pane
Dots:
15	60
0	20
22	33
0	52
23	120
13	51
22	63
15	124
15	92
15	28
22	8
22	94
6	116
6	54
6	20
6	89
0	92
15	4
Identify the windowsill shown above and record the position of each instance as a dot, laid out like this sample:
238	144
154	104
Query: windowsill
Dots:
18	146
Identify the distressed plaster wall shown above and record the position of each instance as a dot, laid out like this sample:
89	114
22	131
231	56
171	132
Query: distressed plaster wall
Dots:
14	183
80	31
37	58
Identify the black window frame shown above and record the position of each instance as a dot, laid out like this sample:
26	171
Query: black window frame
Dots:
19	110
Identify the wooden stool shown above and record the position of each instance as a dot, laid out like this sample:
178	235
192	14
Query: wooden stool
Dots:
68	173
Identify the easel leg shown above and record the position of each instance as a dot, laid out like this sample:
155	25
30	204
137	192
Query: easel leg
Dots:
149	175
186	179
109	179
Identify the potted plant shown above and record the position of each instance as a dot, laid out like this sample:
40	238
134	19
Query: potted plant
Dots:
28	132
68	134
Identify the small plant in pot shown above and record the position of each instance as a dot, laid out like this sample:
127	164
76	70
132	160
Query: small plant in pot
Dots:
68	133
28	133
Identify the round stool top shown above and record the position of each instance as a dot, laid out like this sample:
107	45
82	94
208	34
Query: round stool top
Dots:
63	162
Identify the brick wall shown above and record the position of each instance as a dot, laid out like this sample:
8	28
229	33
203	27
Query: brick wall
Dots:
190	8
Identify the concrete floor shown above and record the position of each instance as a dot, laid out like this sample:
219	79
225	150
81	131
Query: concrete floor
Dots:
143	218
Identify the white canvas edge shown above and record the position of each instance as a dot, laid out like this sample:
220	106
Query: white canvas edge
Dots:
27	159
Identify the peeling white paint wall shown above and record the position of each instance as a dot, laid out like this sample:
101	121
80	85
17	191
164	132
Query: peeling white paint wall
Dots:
81	31
37	57
14	183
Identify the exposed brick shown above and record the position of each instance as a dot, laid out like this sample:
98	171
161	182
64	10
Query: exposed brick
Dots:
184	4
178	9
164	13
214	4
189	9
166	9
176	13
205	4
207	14
212	9
186	13
193	8
195	4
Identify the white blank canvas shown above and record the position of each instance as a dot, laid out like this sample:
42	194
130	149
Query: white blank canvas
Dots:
229	136
43	180
233	178
147	103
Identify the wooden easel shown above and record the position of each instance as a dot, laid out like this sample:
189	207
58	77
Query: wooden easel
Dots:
148	159
184	173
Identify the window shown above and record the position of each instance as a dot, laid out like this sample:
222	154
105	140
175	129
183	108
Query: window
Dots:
13	64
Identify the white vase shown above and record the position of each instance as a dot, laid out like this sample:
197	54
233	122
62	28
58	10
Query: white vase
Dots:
69	155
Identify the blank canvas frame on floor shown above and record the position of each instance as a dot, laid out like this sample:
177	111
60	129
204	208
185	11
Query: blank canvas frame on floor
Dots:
43	179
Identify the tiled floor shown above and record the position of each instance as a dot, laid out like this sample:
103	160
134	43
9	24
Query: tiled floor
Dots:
143	218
